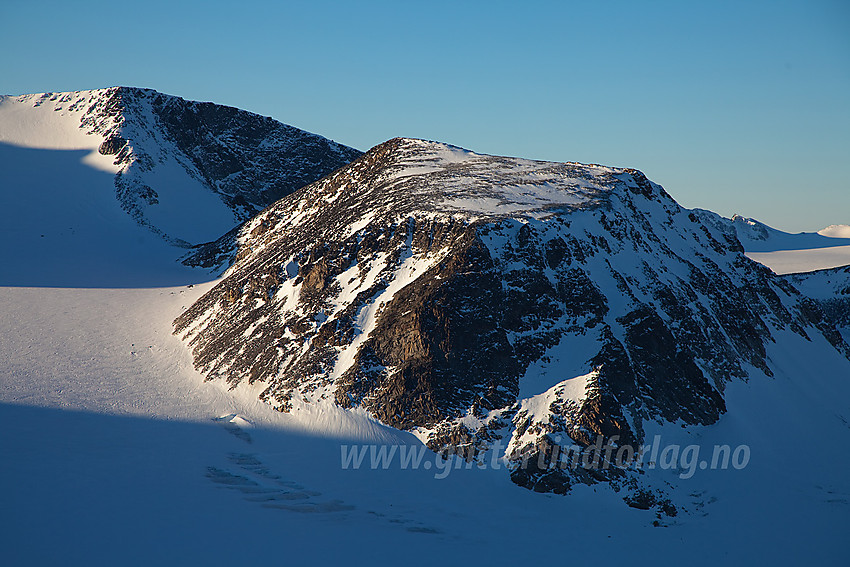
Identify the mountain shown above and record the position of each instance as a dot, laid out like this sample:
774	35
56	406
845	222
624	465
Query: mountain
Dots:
500	304
100	184
112	440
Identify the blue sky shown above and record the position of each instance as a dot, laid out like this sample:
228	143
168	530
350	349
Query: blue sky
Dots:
738	107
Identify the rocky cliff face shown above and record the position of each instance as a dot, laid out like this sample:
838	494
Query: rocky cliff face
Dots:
476	299
249	160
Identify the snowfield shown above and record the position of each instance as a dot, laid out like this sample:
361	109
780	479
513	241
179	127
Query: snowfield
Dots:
58	201
186	209
836	231
795	261
157	173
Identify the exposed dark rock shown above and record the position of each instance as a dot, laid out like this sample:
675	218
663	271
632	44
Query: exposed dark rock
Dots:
250	161
644	499
112	145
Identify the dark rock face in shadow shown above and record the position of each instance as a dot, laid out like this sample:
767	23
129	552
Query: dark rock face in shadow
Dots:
251	161
828	294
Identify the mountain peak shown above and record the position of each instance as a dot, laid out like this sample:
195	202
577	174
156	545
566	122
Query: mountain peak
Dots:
183	172
171	155
404	176
470	298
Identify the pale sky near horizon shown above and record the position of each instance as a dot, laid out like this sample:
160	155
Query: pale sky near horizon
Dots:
737	107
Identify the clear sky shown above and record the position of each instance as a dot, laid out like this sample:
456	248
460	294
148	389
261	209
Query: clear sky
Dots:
739	107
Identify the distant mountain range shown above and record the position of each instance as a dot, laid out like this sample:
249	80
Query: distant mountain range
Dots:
784	252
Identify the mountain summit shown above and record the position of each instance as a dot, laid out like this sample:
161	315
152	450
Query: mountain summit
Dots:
473	299
187	170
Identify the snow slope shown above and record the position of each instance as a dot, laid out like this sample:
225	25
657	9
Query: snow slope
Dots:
186	210
60	223
807	260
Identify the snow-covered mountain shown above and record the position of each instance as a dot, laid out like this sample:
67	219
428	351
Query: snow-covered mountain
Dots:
836	231
81	172
484	302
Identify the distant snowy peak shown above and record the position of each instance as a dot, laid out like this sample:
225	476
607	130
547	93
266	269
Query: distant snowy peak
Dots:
188	171
836	231
750	229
